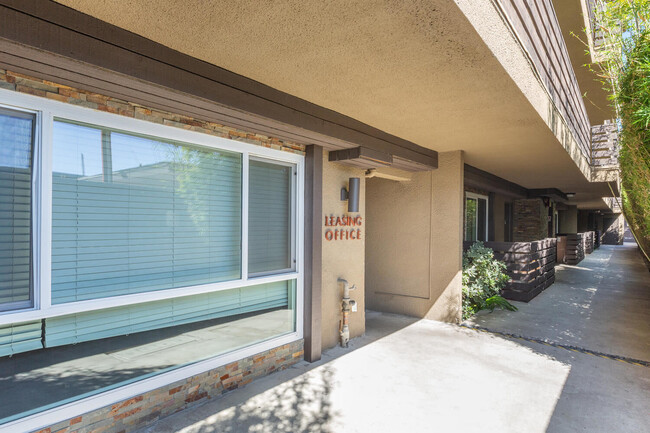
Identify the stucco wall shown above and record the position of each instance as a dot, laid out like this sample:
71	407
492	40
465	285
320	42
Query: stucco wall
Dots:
414	242
569	220
341	258
614	229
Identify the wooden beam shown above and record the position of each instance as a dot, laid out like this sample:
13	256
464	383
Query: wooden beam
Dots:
313	252
477	178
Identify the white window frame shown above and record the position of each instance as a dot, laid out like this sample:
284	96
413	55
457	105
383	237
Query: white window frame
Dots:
487	213
294	182
33	302
46	111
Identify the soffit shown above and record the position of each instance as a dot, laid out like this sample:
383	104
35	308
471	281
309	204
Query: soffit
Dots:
415	69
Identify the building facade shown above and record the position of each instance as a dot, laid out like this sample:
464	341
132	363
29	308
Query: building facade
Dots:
187	189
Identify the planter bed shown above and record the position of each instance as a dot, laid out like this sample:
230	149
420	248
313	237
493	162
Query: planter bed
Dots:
530	265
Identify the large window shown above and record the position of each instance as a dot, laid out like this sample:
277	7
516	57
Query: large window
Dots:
16	169
475	217
131	250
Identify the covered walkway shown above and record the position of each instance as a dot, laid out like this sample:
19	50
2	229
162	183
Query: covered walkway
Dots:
408	375
602	304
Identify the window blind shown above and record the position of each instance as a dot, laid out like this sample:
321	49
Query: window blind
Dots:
16	149
269	217
20	337
130	319
132	214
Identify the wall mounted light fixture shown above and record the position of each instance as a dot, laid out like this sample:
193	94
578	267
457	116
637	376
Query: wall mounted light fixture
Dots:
352	194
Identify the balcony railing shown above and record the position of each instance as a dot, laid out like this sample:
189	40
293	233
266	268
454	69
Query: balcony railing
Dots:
604	145
537	27
597	38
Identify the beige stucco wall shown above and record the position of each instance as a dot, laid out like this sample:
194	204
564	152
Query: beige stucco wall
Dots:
414	242
569	220
341	258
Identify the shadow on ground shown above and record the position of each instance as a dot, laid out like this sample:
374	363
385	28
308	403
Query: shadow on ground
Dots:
407	375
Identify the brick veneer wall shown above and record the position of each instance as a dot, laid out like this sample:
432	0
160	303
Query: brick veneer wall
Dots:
529	220
145	409
59	92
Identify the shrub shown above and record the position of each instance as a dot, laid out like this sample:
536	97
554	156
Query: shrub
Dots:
483	278
624	70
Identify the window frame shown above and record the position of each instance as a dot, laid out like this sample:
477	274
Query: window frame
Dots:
293	201
475	196
33	301
46	112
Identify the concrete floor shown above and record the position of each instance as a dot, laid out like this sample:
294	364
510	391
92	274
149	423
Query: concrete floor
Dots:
407	375
602	304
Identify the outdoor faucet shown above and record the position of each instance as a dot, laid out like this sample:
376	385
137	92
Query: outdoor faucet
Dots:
347	305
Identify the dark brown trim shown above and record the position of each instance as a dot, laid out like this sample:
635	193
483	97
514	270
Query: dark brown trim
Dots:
553	193
490	210
480	179
86	52
361	157
313	252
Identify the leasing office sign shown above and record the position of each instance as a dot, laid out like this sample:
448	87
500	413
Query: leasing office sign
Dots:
343	228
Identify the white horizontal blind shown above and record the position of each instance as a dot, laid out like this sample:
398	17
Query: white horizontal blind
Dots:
16	150
130	319
133	214
20	337
269	217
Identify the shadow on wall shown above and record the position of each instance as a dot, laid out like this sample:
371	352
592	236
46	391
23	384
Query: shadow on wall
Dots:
613	230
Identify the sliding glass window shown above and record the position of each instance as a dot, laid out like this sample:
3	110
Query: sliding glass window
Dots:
122	254
132	214
476	218
270	217
16	172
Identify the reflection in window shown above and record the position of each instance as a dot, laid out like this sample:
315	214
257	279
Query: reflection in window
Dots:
132	214
162	335
470	219
16	150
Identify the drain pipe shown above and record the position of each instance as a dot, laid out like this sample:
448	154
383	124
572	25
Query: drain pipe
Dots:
347	305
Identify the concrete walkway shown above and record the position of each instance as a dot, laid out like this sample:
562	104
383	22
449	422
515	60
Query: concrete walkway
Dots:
423	376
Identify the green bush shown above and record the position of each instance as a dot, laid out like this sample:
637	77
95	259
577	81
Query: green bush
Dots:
624	71
483	278
634	100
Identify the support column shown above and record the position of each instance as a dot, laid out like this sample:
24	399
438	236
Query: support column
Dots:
313	252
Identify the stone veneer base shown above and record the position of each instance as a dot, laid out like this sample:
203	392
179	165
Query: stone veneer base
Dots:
145	409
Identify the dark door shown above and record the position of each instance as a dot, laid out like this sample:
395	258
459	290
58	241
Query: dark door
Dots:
507	229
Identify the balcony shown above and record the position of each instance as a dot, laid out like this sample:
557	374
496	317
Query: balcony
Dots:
604	145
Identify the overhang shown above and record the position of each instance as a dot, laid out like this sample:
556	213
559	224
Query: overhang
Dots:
420	76
73	48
